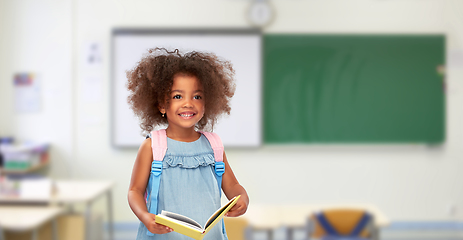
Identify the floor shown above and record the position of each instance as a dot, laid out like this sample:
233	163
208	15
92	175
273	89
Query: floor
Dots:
397	231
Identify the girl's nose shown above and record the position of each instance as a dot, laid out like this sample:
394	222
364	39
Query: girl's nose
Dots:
187	104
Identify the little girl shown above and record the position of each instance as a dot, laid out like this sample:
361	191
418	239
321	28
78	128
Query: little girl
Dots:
188	93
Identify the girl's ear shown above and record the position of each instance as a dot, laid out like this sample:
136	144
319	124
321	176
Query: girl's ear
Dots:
162	106
162	109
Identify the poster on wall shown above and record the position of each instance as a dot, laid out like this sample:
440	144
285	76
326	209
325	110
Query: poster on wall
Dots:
26	93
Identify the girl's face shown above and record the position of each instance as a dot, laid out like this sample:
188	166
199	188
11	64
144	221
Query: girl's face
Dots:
186	100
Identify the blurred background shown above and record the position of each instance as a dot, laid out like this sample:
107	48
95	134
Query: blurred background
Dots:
416	185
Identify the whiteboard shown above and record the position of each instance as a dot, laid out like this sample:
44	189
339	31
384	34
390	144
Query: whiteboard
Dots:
242	128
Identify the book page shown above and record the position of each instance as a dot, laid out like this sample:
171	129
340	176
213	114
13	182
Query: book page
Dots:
182	219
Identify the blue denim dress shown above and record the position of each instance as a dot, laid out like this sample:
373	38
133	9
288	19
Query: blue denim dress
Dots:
189	187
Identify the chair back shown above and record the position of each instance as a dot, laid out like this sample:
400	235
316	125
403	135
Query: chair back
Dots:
342	223
236	228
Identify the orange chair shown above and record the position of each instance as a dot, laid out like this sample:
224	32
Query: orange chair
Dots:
237	228
348	224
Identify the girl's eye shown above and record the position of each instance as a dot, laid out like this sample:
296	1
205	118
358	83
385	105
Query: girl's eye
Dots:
177	97
198	97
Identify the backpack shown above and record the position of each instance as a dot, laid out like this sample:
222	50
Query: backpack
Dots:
159	148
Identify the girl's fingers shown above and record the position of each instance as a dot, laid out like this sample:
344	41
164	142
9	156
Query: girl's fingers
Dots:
161	229
235	211
234	208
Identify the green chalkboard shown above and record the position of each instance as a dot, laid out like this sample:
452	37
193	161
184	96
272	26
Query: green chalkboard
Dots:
353	89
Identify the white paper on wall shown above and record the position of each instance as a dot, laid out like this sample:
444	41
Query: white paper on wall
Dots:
26	93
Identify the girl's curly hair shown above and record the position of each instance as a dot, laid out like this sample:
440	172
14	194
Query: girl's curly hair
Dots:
150	82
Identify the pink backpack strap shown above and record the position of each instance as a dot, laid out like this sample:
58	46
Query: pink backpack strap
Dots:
217	147
159	144
216	144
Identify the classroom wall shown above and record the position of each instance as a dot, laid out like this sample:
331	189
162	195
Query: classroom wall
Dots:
36	37
410	182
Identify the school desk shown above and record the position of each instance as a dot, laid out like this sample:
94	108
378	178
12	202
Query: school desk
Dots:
27	218
269	217
69	192
79	191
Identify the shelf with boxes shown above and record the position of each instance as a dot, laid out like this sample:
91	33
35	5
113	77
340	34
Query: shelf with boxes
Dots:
18	166
22	158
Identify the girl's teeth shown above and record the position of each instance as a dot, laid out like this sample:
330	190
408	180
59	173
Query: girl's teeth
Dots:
186	115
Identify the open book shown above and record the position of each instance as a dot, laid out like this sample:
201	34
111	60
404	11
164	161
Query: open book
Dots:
190	227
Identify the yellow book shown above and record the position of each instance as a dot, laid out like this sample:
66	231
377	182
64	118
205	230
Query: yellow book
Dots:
190	227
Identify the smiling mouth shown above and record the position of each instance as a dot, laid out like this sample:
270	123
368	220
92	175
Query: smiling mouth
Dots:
187	115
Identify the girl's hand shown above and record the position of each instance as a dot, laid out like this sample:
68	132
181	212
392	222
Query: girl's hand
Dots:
239	209
152	226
